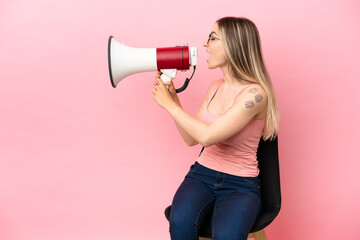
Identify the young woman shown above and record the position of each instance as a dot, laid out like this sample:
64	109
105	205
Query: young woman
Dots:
237	111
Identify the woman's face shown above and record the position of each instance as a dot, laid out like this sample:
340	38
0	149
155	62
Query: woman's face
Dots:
215	49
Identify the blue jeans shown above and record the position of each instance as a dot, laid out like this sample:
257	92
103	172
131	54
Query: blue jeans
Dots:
233	204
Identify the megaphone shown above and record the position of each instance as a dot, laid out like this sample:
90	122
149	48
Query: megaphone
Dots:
124	61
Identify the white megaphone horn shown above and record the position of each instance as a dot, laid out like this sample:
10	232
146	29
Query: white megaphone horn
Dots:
124	61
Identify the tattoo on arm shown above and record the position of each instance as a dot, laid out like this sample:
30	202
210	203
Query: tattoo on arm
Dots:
249	104
258	98
253	90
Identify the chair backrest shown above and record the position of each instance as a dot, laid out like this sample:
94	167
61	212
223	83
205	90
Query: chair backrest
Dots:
268	158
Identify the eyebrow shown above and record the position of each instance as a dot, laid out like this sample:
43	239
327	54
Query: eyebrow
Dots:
213	32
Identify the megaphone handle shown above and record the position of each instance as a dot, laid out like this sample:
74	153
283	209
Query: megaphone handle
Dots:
168	75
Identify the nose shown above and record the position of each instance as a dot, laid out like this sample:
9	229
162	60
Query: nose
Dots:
205	43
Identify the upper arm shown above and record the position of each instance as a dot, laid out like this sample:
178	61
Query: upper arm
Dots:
246	107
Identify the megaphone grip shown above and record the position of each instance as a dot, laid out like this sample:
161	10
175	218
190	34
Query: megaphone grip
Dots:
165	78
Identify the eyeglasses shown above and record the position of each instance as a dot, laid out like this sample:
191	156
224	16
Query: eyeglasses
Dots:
212	38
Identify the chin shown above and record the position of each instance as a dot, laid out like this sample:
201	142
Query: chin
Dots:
214	64
211	66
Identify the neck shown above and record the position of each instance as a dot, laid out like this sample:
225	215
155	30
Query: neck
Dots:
229	79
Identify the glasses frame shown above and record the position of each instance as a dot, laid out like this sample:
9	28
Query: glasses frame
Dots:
212	38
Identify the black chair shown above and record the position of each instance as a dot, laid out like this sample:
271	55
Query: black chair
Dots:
268	158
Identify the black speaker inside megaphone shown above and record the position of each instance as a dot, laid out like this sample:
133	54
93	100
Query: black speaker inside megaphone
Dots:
124	61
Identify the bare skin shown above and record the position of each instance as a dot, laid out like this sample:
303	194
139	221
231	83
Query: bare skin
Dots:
248	106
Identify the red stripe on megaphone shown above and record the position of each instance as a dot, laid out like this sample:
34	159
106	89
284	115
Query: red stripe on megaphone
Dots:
173	58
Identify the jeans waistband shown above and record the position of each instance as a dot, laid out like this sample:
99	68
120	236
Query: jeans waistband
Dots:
219	181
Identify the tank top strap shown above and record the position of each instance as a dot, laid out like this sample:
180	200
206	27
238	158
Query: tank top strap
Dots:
215	90
241	91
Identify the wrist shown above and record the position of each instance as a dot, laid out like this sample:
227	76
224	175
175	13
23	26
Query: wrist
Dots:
174	109
176	98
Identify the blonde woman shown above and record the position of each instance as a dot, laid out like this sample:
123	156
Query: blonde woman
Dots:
237	111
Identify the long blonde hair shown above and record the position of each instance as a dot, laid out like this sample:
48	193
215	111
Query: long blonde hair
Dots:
243	52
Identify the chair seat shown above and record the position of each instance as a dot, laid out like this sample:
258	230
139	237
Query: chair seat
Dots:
264	219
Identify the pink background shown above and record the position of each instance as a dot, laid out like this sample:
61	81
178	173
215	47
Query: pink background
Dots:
81	160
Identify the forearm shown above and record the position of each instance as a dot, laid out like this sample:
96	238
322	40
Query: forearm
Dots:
193	127
190	141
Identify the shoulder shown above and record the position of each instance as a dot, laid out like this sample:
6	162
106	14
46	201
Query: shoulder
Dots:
255	89
214	84
212	87
254	97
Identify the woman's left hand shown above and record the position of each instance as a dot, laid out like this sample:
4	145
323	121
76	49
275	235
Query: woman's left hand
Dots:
162	95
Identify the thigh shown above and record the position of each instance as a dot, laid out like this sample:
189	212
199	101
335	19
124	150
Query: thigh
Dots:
192	204
234	214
